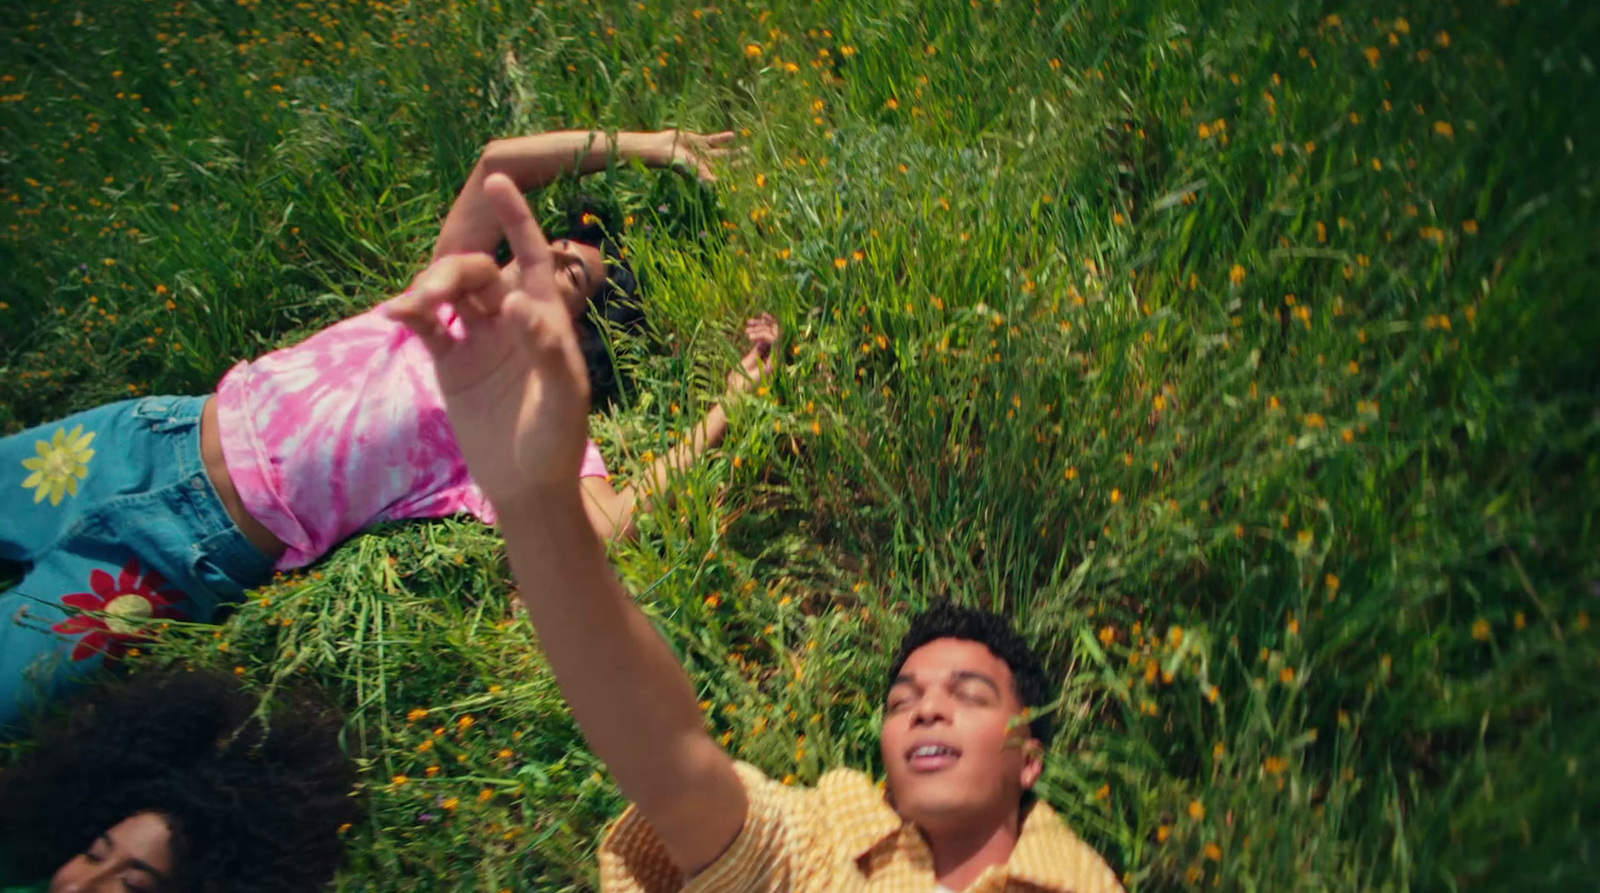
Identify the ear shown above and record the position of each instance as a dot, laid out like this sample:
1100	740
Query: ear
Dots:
1032	763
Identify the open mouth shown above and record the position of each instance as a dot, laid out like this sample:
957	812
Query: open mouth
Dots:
932	757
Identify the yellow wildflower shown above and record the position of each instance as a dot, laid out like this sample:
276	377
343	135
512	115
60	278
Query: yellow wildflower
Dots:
1480	630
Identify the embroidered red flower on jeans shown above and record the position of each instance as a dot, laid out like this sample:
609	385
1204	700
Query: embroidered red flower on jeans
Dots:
121	604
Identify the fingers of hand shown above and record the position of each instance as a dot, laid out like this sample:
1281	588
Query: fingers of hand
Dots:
552	343
720	139
522	231
451	279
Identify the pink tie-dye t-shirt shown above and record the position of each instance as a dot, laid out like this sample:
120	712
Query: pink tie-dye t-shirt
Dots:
345	429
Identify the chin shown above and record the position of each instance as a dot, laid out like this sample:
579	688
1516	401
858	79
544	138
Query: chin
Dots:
931	805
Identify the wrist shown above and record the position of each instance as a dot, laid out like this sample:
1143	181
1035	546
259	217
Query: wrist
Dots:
538	504
649	148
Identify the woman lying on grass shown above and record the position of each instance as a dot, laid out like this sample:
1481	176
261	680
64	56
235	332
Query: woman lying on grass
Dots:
164	507
176	780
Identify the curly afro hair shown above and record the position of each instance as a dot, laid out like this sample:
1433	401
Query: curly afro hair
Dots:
254	798
947	620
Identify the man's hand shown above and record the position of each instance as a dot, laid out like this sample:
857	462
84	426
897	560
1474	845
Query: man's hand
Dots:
515	384
762	332
689	152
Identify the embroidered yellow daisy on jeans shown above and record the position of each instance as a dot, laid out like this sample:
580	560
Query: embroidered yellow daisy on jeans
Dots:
61	463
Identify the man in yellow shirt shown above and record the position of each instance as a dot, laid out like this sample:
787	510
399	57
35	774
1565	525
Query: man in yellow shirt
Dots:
957	742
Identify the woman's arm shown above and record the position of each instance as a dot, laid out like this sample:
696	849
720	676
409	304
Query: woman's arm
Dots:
613	512
534	161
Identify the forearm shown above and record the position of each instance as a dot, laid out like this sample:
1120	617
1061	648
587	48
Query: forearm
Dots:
531	162
627	691
534	161
680	458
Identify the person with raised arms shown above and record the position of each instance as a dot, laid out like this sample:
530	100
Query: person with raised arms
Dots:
166	508
959	742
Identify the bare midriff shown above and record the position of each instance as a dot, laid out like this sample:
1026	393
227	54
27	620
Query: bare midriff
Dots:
217	469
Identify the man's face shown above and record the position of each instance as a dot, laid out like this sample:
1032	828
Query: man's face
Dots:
954	745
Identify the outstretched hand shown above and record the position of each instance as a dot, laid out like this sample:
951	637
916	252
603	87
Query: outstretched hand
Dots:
514	380
762	332
691	152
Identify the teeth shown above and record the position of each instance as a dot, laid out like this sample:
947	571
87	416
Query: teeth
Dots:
931	750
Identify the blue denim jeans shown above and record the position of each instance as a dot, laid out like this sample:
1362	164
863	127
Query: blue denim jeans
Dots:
120	529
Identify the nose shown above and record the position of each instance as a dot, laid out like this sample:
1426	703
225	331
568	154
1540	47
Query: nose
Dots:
85	879
930	708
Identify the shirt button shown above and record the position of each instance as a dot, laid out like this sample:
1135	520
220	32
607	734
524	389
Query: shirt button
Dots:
198	482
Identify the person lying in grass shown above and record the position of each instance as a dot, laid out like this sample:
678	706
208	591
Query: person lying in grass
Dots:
163	507
177	780
960	739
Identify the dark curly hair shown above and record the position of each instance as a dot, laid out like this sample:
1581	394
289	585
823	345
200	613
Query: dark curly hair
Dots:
947	620
254	799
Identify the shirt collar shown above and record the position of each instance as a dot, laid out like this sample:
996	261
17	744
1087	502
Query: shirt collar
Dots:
859	831
1047	855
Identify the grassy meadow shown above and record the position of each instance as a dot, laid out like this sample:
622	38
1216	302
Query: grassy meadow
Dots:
1244	350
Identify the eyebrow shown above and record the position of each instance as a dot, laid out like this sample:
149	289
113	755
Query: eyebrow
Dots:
138	864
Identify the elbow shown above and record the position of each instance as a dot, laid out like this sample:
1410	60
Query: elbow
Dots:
489	159
613	531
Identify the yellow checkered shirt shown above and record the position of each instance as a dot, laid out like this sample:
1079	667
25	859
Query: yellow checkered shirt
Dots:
843	837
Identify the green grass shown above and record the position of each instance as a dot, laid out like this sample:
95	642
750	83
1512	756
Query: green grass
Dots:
1246	351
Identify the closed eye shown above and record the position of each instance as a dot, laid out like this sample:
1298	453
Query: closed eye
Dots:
973	693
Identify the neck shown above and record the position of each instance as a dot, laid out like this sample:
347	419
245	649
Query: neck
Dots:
961	854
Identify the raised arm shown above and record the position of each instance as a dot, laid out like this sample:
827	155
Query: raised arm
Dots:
534	161
516	389
613	512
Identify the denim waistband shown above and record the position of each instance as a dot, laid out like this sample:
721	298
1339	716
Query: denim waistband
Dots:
217	538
